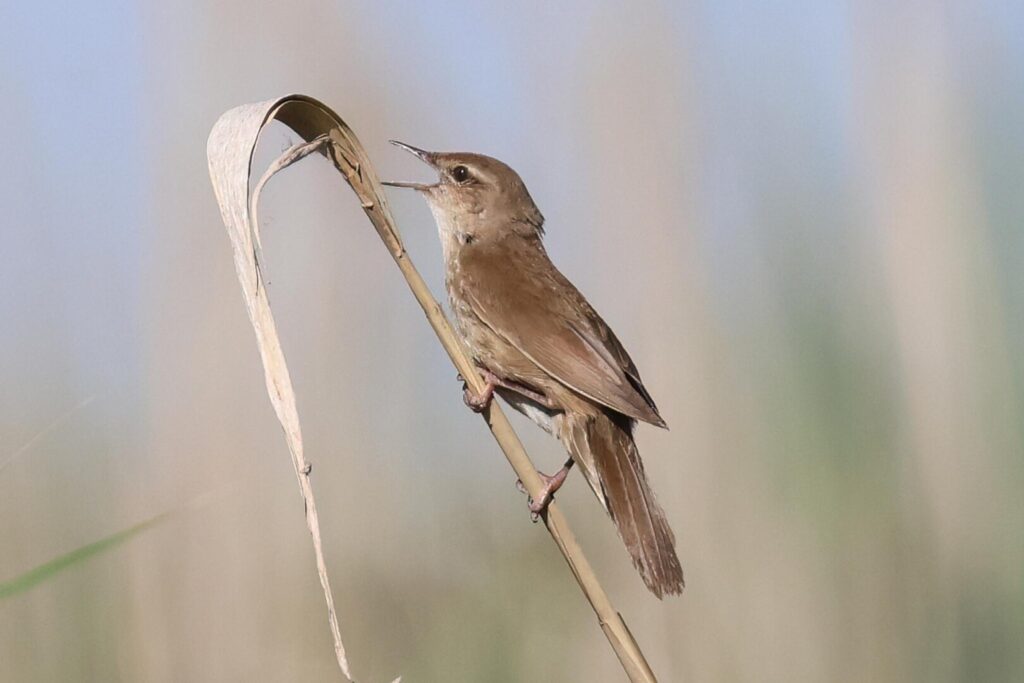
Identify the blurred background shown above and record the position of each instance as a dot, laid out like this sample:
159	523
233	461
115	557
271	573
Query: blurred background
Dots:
804	221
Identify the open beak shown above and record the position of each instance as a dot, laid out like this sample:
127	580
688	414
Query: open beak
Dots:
424	156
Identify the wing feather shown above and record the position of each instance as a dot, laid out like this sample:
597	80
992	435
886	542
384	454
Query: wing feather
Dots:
525	300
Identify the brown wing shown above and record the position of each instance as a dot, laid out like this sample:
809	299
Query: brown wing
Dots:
517	292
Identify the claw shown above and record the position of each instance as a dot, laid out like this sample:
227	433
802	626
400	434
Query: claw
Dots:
551	484
478	402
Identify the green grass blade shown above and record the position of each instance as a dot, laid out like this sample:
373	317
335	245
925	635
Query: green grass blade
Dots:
48	570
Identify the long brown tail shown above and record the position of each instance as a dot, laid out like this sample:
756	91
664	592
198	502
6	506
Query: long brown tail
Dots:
604	449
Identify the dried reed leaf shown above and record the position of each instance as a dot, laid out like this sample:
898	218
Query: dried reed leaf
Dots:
229	153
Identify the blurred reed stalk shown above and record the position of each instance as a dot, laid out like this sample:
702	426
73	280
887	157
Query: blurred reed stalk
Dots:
324	132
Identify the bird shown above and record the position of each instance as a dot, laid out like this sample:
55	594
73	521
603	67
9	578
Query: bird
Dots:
541	347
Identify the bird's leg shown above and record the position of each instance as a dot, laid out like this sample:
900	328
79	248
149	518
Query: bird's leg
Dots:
547	494
523	390
479	402
551	485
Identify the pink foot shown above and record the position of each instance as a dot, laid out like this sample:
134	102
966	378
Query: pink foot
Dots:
478	402
551	485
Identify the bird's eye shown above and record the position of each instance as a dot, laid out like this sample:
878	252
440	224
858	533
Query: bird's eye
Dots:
460	174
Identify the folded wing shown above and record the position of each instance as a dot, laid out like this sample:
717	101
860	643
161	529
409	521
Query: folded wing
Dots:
524	299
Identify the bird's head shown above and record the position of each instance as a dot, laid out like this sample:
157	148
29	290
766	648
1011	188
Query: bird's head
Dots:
475	195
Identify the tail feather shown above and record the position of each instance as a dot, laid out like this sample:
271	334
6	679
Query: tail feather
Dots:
603	446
